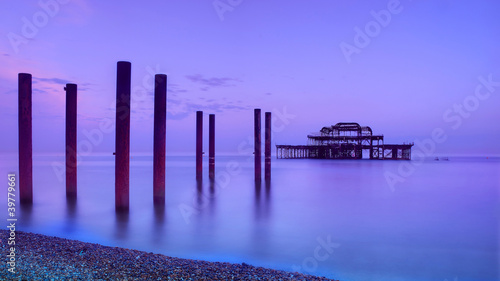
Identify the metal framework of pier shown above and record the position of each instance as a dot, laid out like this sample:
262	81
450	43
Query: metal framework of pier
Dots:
345	141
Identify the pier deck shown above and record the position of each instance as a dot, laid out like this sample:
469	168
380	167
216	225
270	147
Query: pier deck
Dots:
345	141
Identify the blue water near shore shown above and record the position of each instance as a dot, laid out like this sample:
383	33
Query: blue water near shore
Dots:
340	219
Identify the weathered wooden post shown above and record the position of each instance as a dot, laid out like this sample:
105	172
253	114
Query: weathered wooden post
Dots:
199	144
257	144
25	139
267	149
122	141
160	127
71	136
211	146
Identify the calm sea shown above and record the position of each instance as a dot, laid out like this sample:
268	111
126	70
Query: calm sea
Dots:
438	220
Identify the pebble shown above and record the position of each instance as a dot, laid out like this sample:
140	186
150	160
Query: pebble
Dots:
41	257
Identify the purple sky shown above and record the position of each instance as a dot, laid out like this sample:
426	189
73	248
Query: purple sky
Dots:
403	76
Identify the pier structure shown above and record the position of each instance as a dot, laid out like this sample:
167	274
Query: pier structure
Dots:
159	138
122	139
267	147
25	139
257	145
345	141
211	146
199	145
71	134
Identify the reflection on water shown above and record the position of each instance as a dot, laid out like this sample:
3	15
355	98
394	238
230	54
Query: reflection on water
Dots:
262	205
71	214
441	222
158	224
25	213
122	220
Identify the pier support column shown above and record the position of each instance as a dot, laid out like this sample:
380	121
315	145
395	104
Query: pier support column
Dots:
267	148
371	149
71	160
122	140
25	139
159	142
199	144
257	144
211	146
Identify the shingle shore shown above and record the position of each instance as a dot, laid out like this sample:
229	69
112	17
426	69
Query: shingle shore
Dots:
41	257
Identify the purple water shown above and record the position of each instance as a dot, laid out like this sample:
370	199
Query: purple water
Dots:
440	222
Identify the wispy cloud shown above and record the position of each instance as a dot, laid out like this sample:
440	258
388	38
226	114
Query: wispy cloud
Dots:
180	110
175	89
50	80
207	83
77	12
82	87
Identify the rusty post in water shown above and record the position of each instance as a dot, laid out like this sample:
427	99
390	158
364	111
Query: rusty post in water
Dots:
122	140
160	128
257	144
25	139
71	113
199	144
267	149
211	146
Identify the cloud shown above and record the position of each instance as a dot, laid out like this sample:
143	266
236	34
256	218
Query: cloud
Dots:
175	89
212	82
50	80
76	12
180	109
11	92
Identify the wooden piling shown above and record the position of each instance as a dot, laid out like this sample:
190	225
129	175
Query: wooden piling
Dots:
267	148
122	141
211	146
199	144
71	137
160	127
257	144
25	139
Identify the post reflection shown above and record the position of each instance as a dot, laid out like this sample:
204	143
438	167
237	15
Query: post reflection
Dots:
159	222
263	226
211	197
268	195
25	214
205	199
262	205
199	193
71	213
121	226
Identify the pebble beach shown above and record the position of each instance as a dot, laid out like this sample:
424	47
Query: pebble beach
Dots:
41	257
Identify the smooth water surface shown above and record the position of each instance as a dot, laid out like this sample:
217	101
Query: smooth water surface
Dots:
335	218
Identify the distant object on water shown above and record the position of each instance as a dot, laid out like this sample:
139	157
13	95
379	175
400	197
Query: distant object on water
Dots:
442	158
345	141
